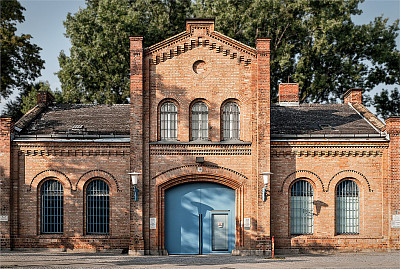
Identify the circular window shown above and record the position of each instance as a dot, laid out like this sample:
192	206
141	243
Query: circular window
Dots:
199	67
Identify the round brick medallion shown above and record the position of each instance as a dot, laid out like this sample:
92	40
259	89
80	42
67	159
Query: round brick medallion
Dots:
199	67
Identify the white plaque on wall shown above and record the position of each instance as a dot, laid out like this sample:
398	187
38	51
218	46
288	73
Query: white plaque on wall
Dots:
395	221
247	223
153	223
3	217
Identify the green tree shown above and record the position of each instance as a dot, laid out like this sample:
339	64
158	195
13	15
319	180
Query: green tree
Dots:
20	60
386	104
314	42
97	70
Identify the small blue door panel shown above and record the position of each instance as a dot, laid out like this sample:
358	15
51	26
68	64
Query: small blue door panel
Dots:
199	219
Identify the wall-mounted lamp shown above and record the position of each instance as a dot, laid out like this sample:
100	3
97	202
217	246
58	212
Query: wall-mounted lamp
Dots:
266	176
134	178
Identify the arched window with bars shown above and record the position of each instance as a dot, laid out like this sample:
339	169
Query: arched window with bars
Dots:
347	208
168	121
52	207
231	121
199	121
301	208
97	207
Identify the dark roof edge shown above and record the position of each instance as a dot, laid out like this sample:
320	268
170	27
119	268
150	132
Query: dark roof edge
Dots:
329	135
369	117
29	116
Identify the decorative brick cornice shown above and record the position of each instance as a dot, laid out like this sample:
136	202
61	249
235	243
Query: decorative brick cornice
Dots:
187	149
214	41
329	144
73	150
327	153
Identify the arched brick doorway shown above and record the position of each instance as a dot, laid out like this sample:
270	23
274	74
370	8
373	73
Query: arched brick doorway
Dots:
223	181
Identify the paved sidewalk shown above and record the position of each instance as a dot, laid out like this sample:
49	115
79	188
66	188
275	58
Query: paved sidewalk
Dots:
29	259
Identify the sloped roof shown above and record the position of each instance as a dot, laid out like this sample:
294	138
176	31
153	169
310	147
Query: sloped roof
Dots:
307	119
81	119
303	120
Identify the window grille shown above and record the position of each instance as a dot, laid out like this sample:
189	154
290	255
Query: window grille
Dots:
347	208
169	119
302	209
97	207
231	121
52	215
199	121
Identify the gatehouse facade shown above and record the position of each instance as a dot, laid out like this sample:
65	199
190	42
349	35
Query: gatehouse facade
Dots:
181	169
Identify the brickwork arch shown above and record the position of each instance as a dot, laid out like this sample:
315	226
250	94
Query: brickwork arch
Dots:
208	173
36	181
314	178
106	176
359	178
235	178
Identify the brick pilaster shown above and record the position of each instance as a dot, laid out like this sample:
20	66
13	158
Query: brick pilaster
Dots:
263	125
393	129
136	246
5	181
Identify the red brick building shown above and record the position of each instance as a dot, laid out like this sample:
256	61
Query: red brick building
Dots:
200	132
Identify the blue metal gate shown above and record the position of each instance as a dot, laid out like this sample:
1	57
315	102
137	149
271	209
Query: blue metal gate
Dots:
199	219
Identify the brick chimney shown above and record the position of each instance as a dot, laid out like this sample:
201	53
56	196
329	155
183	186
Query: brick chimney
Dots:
44	97
353	96
289	94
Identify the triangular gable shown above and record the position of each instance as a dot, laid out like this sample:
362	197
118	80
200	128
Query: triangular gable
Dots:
200	32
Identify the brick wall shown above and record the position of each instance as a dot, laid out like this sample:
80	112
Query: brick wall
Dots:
170	74
74	165
393	129
136	158
5	174
324	165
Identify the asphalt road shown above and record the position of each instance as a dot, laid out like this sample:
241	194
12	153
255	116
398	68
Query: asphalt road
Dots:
33	259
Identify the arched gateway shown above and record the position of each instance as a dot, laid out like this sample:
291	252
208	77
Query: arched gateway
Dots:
199	218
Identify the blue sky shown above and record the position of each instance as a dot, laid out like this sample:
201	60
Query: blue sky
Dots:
44	21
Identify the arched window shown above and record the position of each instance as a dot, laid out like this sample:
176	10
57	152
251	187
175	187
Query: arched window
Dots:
52	213
301	208
97	207
199	121
347	208
231	121
168	121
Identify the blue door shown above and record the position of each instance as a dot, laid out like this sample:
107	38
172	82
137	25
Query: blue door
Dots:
199	219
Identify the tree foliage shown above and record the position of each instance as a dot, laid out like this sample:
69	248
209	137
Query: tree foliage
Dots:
20	60
97	69
386	104
314	42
